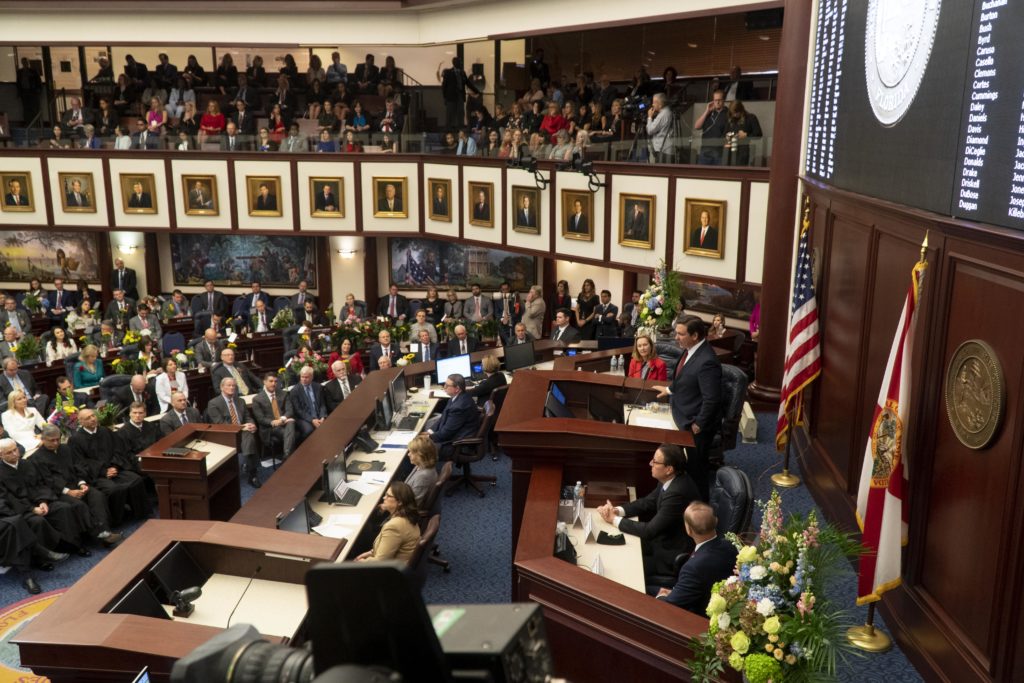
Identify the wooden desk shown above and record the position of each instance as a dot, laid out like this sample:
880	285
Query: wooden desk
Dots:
196	488
76	639
622	564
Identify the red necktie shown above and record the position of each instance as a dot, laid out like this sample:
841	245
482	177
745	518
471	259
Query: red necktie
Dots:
682	362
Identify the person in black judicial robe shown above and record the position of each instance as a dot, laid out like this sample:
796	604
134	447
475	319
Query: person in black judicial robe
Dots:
219	412
136	434
334	391
273	430
459	419
17	544
713	560
25	490
696	396
308	414
100	462
662	537
55	463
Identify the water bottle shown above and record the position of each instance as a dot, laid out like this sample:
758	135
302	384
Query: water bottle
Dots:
577	492
621	364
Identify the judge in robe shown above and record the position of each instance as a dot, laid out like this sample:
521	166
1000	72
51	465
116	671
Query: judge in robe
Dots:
136	435
101	463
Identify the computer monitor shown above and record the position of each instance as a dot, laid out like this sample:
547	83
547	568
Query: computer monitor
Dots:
456	365
556	391
296	519
140	600
520	356
555	408
178	570
383	413
398	391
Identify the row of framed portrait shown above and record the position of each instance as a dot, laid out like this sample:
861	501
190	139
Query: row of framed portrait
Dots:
703	218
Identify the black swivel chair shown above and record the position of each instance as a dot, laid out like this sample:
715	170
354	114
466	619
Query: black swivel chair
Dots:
732	497
468	451
432	506
110	383
415	566
498	399
734	393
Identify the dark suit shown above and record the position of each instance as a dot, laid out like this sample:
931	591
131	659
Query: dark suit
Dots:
93	455
333	395
326	202
710	239
578	225
709	564
419	353
11	199
318	319
64	299
376	351
401	305
481	212
636	226
298	406
220	303
460	419
124	396
268	203
697	398
661	529
252	384
126	279
246	123
440	207
526	218
114	311
205	355
171	421
218	413
80	399
80	200
482	391
263	413
607	320
382	204
235	144
146	140
569	335
250	302
455	346
7	386
197	200
140	201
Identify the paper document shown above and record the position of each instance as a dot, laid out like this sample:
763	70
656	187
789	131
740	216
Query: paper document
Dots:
655	422
399	439
350	519
364	487
375	478
334	531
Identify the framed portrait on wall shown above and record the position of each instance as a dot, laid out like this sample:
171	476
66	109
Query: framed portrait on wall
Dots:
264	195
138	192
705	227
16	189
390	197
200	193
578	215
327	197
636	220
526	209
481	204
440	199
77	193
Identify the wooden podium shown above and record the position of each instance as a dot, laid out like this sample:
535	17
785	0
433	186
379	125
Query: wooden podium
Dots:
191	487
78	639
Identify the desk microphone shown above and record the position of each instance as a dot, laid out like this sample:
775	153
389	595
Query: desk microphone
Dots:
643	387
242	596
183	600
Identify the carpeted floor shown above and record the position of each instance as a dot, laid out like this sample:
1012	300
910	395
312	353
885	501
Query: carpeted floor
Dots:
474	537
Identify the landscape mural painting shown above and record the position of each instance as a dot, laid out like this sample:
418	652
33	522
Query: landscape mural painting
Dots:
27	254
418	263
239	260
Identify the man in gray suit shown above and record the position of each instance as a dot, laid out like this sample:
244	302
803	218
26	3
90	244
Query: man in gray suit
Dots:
10	316
245	380
208	349
274	426
229	409
145	320
299	299
478	306
180	414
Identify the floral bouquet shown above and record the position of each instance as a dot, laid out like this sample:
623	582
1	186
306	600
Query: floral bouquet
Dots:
354	330
32	303
661	304
27	349
769	620
130	337
446	328
486	329
109	414
406	359
64	417
284	318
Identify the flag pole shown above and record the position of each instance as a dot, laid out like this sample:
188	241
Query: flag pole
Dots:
785	478
867	637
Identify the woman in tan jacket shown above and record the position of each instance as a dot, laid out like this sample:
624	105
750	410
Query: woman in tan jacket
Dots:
533	316
401	532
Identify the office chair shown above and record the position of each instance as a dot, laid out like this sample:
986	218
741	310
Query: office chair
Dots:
497	399
734	393
110	383
432	506
172	341
732	497
426	542
468	451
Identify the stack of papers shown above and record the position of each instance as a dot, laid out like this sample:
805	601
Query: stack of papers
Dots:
375	478
339	526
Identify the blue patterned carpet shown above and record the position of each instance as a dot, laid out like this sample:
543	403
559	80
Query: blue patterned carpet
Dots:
474	538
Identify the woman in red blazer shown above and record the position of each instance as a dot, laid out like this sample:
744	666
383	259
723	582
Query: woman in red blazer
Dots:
645	363
345	353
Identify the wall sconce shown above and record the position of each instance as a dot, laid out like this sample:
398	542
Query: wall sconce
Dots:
347	253
127	248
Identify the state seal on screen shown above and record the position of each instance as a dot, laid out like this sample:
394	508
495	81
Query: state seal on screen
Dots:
899	37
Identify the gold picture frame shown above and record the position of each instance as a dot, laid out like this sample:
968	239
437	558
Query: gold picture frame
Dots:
480	198
330	204
16	192
199	193
138	193
526	218
439	206
263	195
394	204
636	220
77	192
581	227
710	244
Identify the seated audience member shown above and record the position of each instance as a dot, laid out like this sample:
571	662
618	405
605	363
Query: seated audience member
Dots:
212	122
661	537
177	306
717	329
351	146
55	464
461	343
338	389
346	354
15	378
326	143
88	370
393	304
459	419
260	319
108	336
146	323
168	382
228	408
102	464
67	396
305	405
275	428
61	302
520	336
383	348
422	324
310	317
21	421
82	320
426	350
60	345
137	391
712	560
121	308
180	414
294	142
401	532
644	362
9	346
562	330
423	457
149	357
493	378
137	434
299	299
208	350
245	380
452	307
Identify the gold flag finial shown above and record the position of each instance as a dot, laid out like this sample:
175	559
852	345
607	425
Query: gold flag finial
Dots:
924	246
807	211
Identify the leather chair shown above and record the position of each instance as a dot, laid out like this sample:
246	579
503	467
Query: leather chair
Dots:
281	302
468	451
110	383
415	565
732	497
171	341
432	506
669	352
497	399
734	393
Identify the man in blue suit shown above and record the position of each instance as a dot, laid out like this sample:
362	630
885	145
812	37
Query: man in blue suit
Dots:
426	351
711	561
256	295
306	405
696	395
460	419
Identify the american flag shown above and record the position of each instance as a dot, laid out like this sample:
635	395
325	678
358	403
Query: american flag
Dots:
803	347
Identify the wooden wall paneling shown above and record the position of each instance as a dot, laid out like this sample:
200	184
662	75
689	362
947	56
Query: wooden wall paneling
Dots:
672	242
108	187
47	190
741	253
357	180
172	212
324	276
296	216
462	201
370	285
506	210
232	196
424	199
153	261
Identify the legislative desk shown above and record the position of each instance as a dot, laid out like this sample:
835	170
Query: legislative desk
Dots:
190	487
77	639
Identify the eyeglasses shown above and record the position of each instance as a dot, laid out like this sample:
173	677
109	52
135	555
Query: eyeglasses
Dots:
655	462
388	495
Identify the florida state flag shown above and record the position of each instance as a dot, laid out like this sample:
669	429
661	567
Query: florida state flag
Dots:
882	497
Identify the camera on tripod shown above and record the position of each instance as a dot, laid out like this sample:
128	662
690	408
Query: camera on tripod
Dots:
634	106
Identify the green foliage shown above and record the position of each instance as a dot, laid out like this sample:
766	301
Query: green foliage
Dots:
284	318
108	414
28	348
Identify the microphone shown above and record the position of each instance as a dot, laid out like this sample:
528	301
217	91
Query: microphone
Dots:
242	596
643	387
183	600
